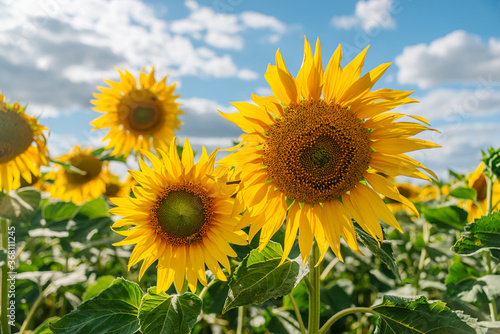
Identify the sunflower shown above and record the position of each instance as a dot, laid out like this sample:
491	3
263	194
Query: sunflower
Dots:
138	117
87	182
22	146
313	153
117	188
183	216
477	181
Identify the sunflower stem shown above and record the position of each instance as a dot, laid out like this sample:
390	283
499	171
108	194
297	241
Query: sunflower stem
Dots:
314	297
423	256
343	313
4	293
297	314
242	310
489	209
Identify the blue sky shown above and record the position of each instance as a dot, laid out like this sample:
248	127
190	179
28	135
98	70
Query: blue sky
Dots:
53	54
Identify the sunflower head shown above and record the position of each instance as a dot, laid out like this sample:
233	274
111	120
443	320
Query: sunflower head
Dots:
477	181
182	216
117	188
313	152
22	146
139	116
79	176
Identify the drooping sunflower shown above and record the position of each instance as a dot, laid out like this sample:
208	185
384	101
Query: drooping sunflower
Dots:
139	117
23	146
183	216
477	181
86	182
312	153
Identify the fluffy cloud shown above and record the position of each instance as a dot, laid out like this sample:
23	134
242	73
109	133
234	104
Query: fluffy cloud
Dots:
55	53
453	106
368	15
462	144
459	57
222	30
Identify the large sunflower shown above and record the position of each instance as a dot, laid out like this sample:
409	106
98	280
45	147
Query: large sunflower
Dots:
477	181
86	182
183	216
22	146
312	153
138	116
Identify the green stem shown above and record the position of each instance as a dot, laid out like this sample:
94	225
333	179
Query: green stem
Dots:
489	208
343	313
5	292
423	255
298	315
33	309
241	319
314	302
205	289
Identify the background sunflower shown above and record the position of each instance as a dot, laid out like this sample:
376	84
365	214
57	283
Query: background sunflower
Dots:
22	146
87	182
138	117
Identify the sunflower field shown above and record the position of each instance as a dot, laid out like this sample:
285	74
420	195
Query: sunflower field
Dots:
304	226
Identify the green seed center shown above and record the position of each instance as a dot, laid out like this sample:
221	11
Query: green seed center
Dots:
16	135
181	214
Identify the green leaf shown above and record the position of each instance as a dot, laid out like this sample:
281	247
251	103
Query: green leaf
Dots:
417	315
446	217
163	314
97	287
259	278
115	310
491	159
19	205
480	235
463	282
283	323
214	299
465	193
95	208
58	211
44	326
384	252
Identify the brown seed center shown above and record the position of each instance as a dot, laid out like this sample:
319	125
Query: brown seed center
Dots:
87	163
316	152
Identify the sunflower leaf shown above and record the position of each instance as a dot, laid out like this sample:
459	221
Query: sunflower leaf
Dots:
463	282
44	326
446	217
480	235
259	278
465	193
114	310
19	205
384	252
416	315
162	314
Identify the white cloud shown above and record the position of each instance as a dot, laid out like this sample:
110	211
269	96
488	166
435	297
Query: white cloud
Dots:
368	15
260	21
222	30
462	145
204	106
450	105
459	57
55	53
